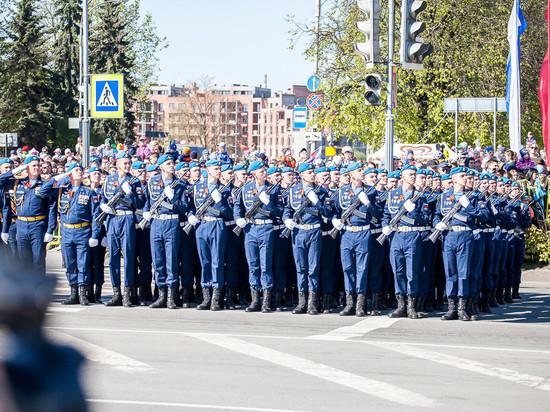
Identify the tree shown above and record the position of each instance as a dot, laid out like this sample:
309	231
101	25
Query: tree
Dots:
26	83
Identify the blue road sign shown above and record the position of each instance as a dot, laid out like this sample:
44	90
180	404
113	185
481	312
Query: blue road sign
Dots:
300	117
314	101
107	95
313	83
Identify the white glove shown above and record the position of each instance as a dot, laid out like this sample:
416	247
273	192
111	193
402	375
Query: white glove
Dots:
169	192
337	223
193	220
464	201
104	242
494	209
363	198
216	196
93	242
241	222
409	205
386	230
264	197
441	226
290	224
107	209
19	169
5	237
61	176
312	196
48	237
147	216
126	188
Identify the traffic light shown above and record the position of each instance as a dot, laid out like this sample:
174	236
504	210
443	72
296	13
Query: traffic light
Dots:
413	49
373	87
370	49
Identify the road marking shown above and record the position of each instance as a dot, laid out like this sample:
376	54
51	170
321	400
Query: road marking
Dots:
189	405
469	365
357	382
53	308
358	329
96	353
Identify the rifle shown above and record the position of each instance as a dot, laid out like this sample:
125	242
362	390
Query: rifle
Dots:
302	208
510	201
402	212
349	211
158	203
249	215
116	199
456	207
201	211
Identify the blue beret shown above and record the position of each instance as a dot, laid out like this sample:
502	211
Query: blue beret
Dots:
429	172
445	176
226	167
394	175
305	166
344	170
204	174
163	159
506	180
409	167
488	149
94	169
371	170
484	176
437	175
492	176
287	170
6	160
321	169
500	179
94	159
515	184
31	159
471	172
422	172
255	165
123	155
354	166
74	166
240	166
213	163
152	168
460	169
138	165
382	171
332	168
181	165
273	169
194	164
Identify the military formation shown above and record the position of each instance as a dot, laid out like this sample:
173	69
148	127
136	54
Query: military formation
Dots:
312	239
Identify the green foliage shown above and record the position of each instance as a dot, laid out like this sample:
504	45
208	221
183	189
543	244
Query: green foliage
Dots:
470	53
537	245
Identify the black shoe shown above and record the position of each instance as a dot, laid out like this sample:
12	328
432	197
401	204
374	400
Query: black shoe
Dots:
312	303
127	297
508	295
83	295
134	297
499	296
325	303
90	293
266	303
492	299
172	298
360	305
452	312
205	305
116	300
186	298
375	304
470	302
97	294
401	311
215	304
302	304
255	305
141	296
412	301
278	301
428	306
515	292
461	312
349	309
484	303
73	297
230	299
475	305
381	302
162	299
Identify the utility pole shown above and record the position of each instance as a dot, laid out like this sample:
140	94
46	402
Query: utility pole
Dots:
84	119
388	144
317	24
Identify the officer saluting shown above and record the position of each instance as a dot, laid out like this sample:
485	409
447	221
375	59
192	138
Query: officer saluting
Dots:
78	206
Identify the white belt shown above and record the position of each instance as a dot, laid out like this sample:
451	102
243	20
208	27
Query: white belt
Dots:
489	230
262	221
325	233
477	231
375	231
460	228
230	223
357	228
504	230
278	227
518	232
124	212
211	218
182	224
166	217
309	227
413	228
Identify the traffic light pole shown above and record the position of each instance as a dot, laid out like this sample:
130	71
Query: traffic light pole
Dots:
388	155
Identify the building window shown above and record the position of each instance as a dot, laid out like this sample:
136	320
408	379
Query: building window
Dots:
172	106
245	107
181	105
161	107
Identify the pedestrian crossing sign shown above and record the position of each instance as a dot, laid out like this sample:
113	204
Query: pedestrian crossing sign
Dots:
107	95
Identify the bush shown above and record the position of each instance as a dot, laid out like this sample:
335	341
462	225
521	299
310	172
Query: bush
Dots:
537	245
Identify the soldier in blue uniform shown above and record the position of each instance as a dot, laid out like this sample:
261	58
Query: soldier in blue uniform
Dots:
78	206
35	213
121	227
306	237
97	258
488	295
211	234
406	242
502	242
521	220
165	231
8	246
187	246
355	241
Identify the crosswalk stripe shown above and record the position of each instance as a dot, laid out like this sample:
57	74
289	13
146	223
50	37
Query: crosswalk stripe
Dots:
358	329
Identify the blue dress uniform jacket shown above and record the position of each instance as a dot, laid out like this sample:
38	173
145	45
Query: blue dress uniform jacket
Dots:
281	256
329	251
379	254
521	221
478	252
188	247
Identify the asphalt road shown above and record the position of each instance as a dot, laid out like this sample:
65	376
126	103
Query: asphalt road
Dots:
140	359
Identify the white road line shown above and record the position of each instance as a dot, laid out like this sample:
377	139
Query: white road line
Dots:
469	365
189	405
357	382
96	353
358	329
53	308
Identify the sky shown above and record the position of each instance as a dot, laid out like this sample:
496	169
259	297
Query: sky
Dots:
233	41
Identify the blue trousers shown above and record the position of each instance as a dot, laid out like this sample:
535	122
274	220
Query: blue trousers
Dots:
187	251
211	243
30	244
75	249
121	239
281	261
143	258
165	243
258	245
519	255
512	245
306	247
497	240
354	251
502	269
457	256
232	256
405	255
328	264
376	265
426	269
478	251
487	277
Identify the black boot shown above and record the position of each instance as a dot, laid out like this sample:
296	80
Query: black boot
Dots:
127	297
73	297
375	304
141	296
325	303
266	303
230	302
90	293
162	299
401	311
255	305
508	295
451	313
278	301
186	298
461	313
215	305
97	295
349	309
475	304
429	303
492	299
205	305
515	292
134	297
420	304
470	308
116	300
360	305
302	304
438	303
312	303
484	304
382	301
499	296
412	301
148	293
172	298
83	295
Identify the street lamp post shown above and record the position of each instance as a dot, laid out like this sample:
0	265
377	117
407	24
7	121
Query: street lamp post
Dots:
84	115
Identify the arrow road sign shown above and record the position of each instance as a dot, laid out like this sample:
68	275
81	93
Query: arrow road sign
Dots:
314	101
313	83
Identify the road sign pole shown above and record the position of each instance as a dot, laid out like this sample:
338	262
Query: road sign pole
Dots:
85	119
388	158
495	125
456	126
